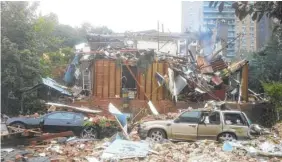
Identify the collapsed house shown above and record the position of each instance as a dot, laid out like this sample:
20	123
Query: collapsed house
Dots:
115	70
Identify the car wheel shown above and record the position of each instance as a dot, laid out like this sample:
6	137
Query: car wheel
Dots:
226	137
157	135
18	127
89	132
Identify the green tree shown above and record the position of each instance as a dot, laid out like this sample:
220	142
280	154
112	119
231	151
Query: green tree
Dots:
265	66
272	9
34	46
25	36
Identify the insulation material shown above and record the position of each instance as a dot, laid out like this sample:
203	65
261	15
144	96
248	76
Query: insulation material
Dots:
171	80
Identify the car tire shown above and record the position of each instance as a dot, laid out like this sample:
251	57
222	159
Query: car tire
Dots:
89	132
226	137
157	135
17	125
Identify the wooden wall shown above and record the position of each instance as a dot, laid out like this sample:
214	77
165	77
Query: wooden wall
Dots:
107	81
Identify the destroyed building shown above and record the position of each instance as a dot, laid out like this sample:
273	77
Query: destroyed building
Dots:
115	70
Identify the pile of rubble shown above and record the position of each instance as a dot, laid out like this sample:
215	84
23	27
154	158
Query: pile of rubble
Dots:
263	148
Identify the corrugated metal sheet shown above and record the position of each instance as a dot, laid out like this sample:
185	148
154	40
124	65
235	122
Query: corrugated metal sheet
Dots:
218	65
53	84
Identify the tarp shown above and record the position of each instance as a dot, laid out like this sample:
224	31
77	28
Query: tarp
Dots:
122	118
122	149
69	75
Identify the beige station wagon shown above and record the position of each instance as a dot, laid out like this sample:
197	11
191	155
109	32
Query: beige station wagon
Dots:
198	124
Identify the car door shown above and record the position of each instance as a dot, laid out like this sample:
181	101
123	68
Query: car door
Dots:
185	126
58	122
77	125
210	127
235	122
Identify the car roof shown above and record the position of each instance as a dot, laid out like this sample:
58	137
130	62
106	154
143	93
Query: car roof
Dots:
63	112
210	110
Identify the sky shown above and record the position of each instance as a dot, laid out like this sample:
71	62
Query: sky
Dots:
118	15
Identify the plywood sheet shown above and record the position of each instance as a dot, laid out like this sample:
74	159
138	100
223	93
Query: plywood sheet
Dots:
160	89
142	86
149	81
118	81
106	65
112	80
99	78
154	82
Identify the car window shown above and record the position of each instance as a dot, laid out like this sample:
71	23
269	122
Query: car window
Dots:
67	116
233	119
190	117
214	118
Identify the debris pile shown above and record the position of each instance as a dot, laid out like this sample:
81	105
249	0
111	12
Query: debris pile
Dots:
263	148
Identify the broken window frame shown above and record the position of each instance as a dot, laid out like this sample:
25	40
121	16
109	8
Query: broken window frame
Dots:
216	122
195	118
232	123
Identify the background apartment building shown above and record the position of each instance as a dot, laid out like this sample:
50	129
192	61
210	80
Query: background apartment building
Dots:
192	15
196	14
248	40
254	35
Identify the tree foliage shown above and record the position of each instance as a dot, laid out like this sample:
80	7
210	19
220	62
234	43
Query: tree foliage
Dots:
272	9
33	46
265	65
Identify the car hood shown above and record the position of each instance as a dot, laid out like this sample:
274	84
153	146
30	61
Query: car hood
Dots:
158	122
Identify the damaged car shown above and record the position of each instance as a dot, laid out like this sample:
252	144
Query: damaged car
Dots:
198	124
56	122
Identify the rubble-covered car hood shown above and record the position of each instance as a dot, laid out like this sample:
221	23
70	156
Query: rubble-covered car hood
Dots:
157	122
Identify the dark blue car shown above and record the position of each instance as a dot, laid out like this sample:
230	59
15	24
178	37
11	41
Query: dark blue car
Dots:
55	122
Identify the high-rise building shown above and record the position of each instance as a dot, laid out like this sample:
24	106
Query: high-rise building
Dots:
248	41
263	31
192	15
213	19
196	14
